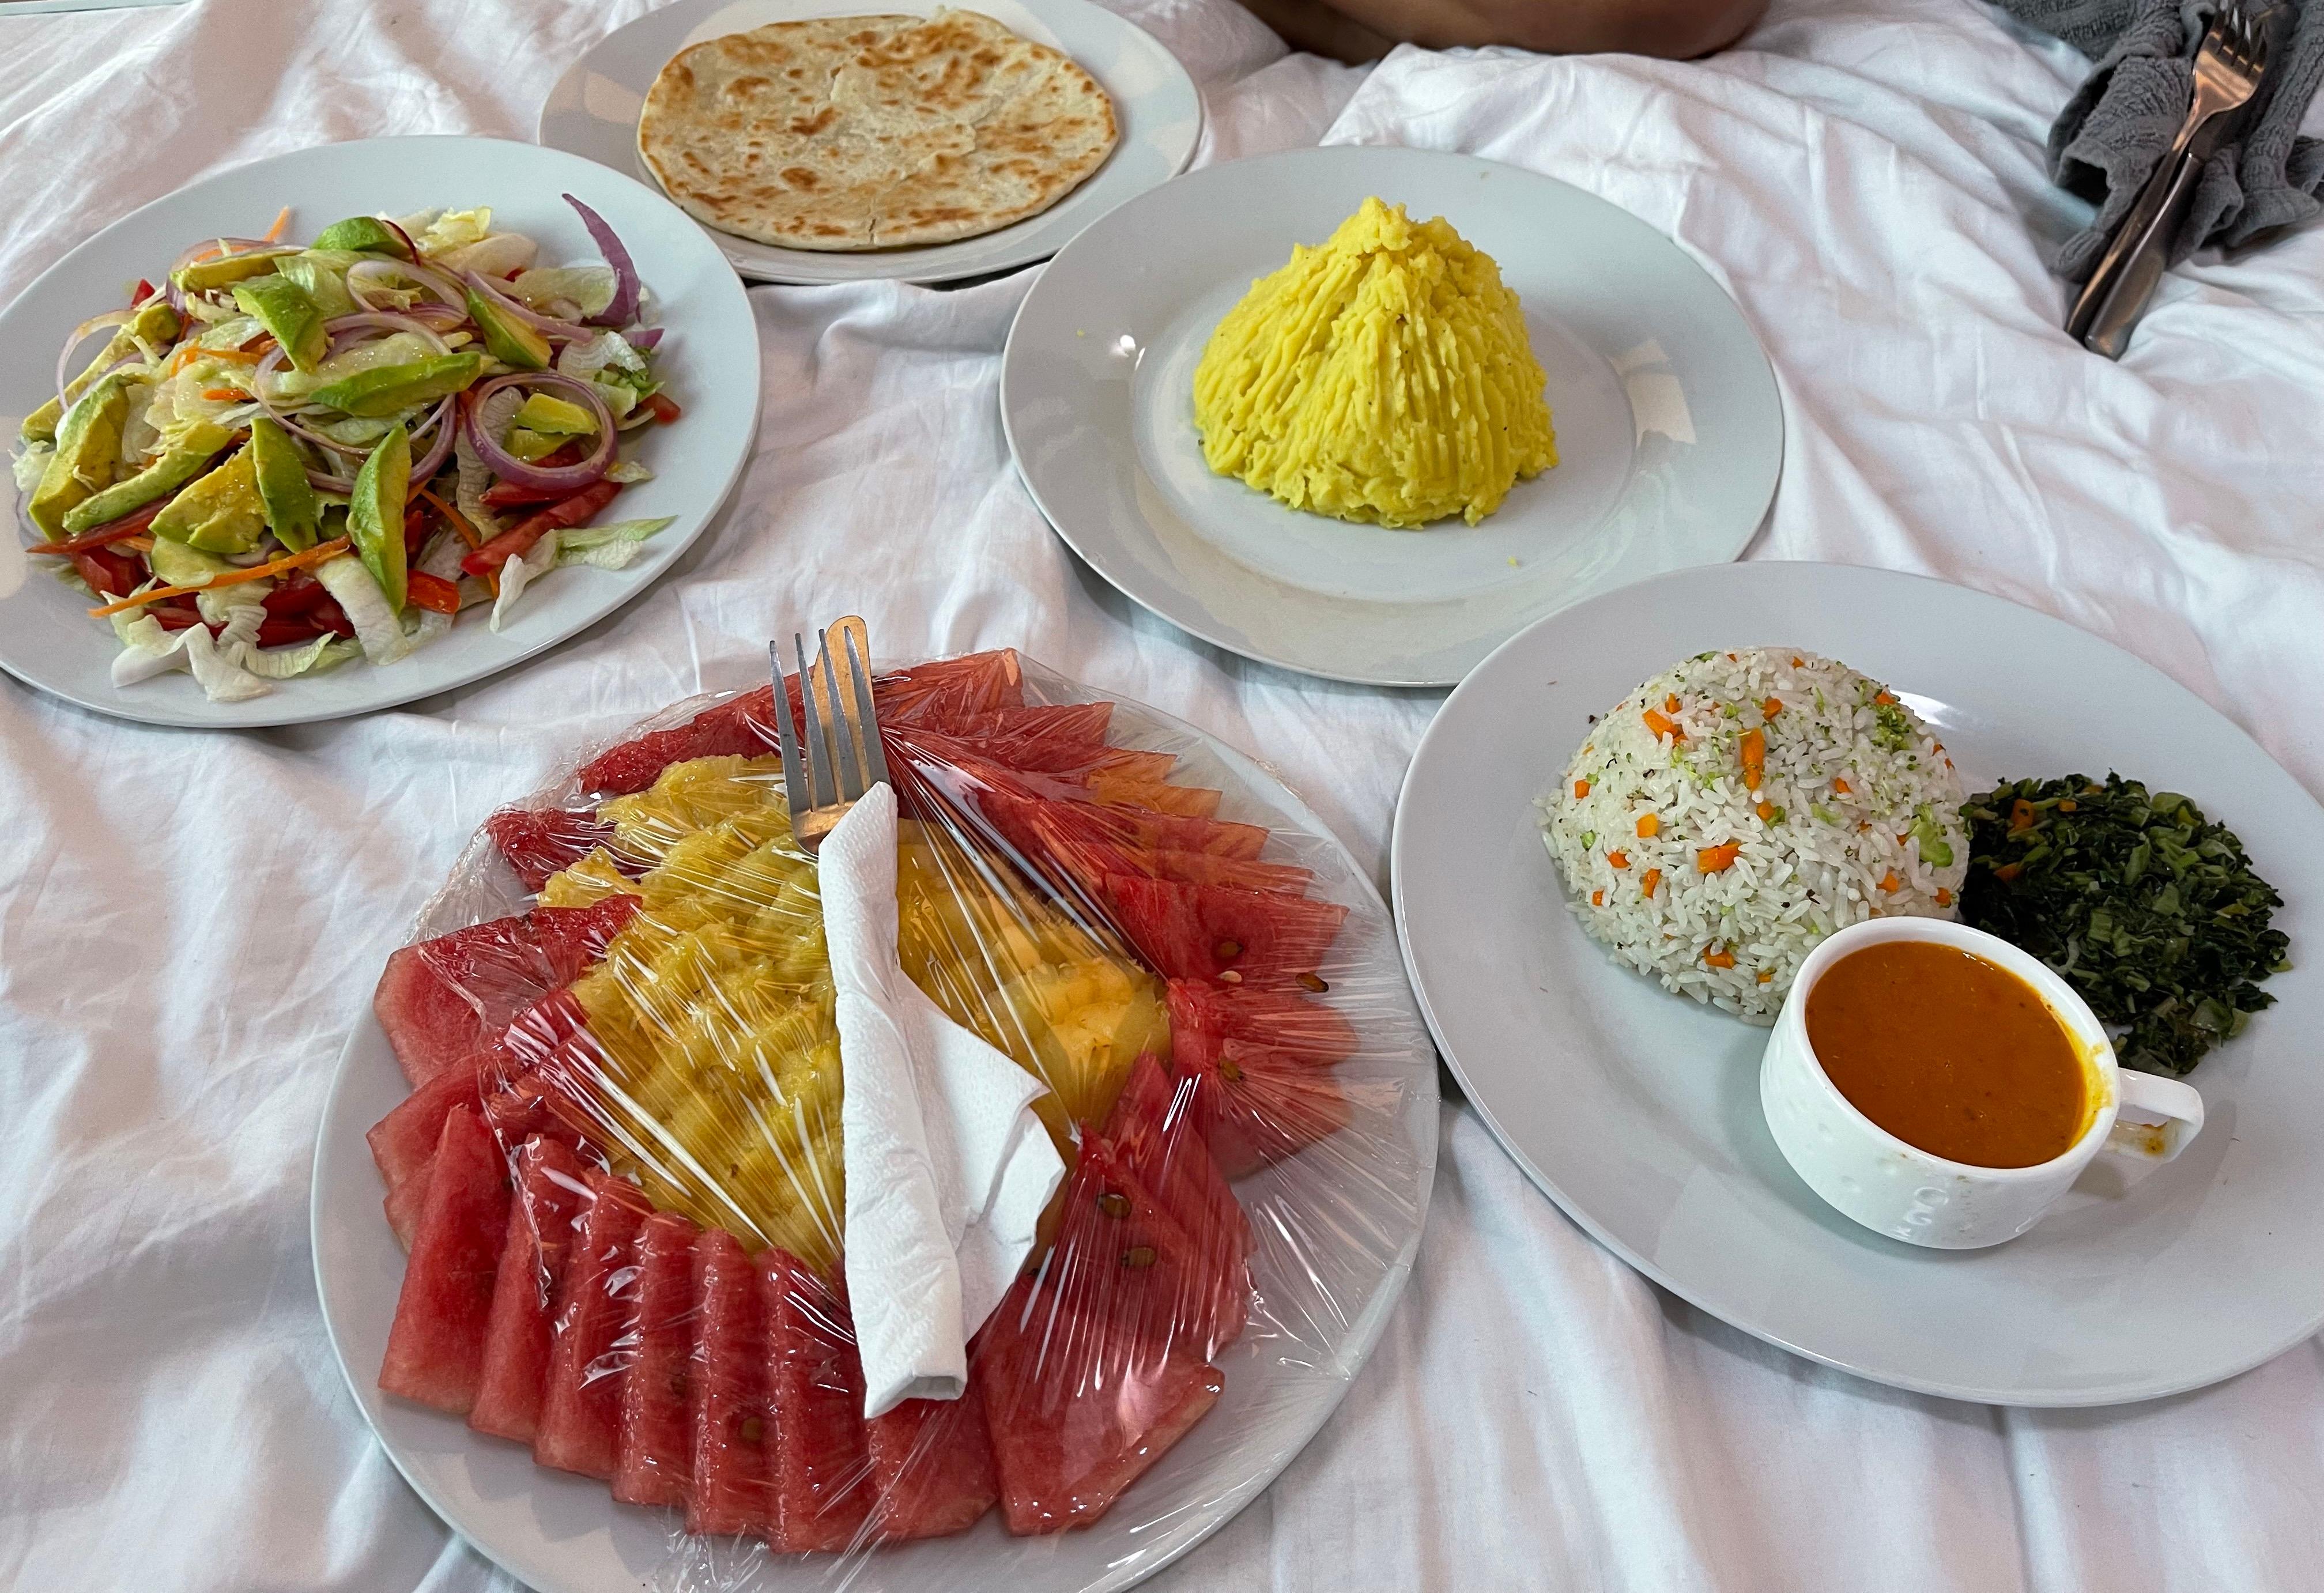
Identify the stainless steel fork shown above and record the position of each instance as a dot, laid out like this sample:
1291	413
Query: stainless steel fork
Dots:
828	769
2227	70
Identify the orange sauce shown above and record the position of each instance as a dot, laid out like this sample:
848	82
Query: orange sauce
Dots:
1949	1053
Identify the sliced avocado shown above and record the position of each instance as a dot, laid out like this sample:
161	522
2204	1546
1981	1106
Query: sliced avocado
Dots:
284	492
531	447
89	442
226	270
386	389
375	513
506	338
540	412
364	235
323	280
220	513
179	565
195	447
156	325
283	308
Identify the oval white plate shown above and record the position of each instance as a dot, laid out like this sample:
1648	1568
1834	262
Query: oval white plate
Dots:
594	110
1638	1111
710	357
1669	427
563	1534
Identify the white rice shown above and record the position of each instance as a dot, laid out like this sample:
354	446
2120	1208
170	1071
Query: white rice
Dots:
1822	858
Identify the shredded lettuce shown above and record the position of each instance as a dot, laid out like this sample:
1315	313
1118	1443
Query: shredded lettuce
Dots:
518	574
358	431
31	464
475	476
442	231
628	471
588	288
376	624
441	557
607	351
218	607
325	281
607	547
148	649
494	257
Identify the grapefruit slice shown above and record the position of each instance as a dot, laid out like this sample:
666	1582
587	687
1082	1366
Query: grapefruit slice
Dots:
549	1195
436	1346
822	1466
596	1311
1246	938
655	1452
729	1398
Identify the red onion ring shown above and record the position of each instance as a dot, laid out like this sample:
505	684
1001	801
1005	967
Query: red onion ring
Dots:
549	326
80	334
437	417
644	341
623	310
393	320
564	478
362	273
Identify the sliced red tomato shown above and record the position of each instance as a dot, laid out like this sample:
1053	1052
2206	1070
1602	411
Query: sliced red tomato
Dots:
299	594
287	633
114	575
432	592
519	540
661	407
145	291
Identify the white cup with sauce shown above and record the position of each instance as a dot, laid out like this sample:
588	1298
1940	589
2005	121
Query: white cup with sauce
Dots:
1895	1187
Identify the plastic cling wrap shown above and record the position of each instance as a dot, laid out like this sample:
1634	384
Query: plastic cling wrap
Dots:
620	1173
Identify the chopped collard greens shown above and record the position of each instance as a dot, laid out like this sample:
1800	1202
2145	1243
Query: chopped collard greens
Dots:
2150	911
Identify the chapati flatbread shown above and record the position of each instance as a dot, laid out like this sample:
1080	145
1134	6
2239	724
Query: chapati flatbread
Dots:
872	132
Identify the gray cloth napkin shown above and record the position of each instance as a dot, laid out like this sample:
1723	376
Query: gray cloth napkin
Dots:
2121	121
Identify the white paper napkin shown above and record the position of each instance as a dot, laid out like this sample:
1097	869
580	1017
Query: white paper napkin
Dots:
948	1168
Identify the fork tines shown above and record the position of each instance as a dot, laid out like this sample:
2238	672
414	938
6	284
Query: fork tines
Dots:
834	757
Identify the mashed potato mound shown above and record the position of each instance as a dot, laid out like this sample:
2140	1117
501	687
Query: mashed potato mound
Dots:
1384	377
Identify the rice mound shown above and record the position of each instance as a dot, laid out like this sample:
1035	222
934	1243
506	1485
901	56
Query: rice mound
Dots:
1856	814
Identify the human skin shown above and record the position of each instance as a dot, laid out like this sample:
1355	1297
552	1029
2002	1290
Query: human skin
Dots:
1366	30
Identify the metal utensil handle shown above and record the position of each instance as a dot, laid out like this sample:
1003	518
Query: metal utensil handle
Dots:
2109	330
2144	214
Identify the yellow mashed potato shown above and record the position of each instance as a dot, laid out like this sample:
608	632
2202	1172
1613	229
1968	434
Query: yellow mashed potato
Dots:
1384	377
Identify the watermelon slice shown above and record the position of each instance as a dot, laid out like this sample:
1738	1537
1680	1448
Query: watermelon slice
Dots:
1213	932
1303	1030
656	1448
1120	790
549	1198
539	842
1066	721
1088	861
597	1315
404	1145
1077	1411
1124	1258
728	1397
526	1106
443	1001
932	1465
1028	823
436	1346
1256	1105
823	1468
1153	1126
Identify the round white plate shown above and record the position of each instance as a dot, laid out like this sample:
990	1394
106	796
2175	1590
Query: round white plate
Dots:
1669	429
562	1533
594	110
1638	1111
709	357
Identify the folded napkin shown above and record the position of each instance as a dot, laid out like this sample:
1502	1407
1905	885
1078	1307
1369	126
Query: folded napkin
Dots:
2123	118
948	1169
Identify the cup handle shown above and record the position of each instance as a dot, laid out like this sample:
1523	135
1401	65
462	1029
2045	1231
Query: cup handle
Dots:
2174	1114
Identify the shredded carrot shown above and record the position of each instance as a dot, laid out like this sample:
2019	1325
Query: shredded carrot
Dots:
1662	727
1885	698
1670	704
1771	707
1890	883
2021	814
225	395
1767	811
1719	959
2068	805
459	521
1597	898
2008	871
1945	896
1646	883
136	544
1719	859
1650	824
1581	788
1842	788
1754	758
1621	859
1767	978
1796	660
288	561
281	225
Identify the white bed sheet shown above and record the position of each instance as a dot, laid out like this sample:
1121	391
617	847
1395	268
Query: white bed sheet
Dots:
190	923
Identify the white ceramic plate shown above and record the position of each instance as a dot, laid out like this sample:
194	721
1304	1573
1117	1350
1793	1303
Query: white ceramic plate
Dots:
1638	1111
562	1533
594	111
1669	428
709	357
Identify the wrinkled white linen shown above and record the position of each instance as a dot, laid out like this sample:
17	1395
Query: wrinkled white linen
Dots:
189	924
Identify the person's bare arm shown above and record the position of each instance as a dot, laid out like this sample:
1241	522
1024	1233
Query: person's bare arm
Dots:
1364	30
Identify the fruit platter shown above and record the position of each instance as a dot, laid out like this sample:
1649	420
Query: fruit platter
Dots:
580	1195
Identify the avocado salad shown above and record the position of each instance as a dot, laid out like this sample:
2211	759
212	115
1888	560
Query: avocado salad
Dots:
285	456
